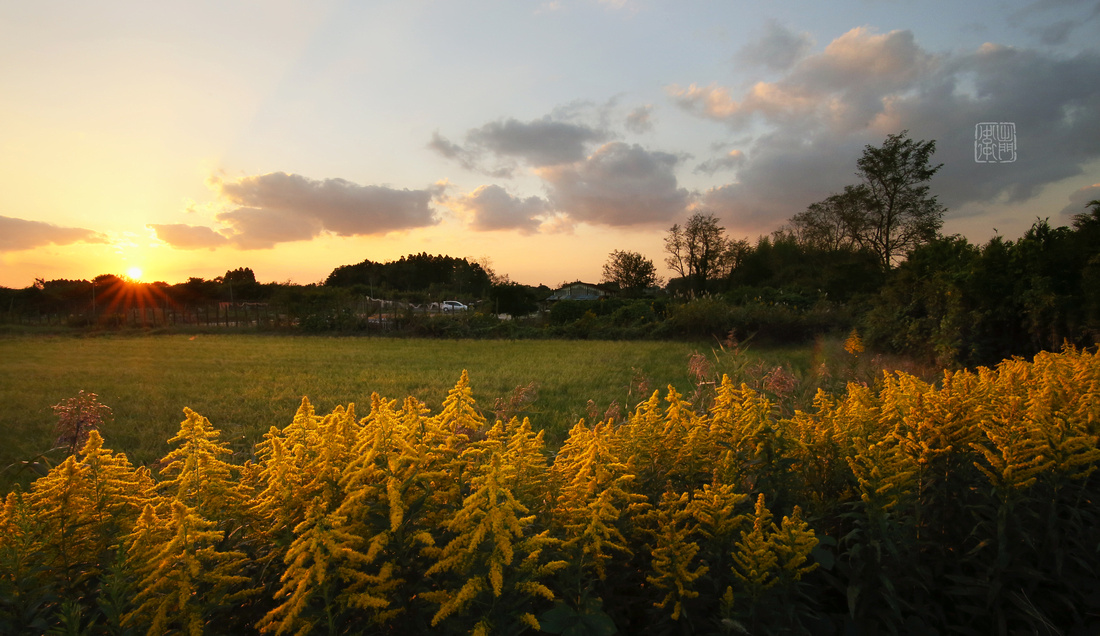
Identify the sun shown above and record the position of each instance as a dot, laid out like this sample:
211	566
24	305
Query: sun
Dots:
134	273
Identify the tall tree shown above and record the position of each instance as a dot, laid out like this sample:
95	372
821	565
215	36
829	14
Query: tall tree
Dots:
699	251
896	212
829	224
631	271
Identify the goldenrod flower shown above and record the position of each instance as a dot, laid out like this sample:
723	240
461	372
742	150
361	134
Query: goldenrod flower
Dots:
854	344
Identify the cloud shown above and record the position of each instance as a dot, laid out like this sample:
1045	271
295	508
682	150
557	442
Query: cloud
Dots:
552	140
640	120
452	151
826	107
1079	200
778	49
842	87
491	207
261	211
728	161
20	234
280	207
786	173
543	142
188	237
1080	13
1054	103
618	185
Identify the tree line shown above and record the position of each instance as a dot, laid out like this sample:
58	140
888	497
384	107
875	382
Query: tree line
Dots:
870	257
414	279
876	251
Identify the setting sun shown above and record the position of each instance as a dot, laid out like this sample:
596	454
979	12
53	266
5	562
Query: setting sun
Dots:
134	273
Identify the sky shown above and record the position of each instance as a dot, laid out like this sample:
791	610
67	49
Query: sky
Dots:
189	139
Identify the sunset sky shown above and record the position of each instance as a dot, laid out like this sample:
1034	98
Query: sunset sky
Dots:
187	139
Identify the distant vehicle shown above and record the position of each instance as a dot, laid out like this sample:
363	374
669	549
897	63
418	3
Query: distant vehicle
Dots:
453	305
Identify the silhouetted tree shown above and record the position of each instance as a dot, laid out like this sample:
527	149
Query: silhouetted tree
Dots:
890	211
631	271
699	251
240	275
416	273
513	298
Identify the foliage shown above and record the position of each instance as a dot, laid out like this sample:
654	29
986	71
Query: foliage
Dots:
514	299
903	507
795	267
953	302
415	273
632	272
889	212
699	251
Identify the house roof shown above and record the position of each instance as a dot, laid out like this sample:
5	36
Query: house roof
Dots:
579	290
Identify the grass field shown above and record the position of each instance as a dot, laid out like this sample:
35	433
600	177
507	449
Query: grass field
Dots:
246	383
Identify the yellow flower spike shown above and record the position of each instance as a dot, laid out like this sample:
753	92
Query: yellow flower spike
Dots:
180	554
793	543
195	473
488	533
397	505
529	619
754	560
496	577
674	554
459	415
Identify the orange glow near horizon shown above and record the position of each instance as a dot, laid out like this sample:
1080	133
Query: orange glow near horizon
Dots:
134	274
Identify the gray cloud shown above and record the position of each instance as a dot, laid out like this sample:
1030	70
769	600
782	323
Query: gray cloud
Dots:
864	86
543	142
491	207
1079	200
453	151
729	161
778	49
1056	33
619	185
785	174
1074	14
1054	103
258	229
640	120
21	234
279	207
188	237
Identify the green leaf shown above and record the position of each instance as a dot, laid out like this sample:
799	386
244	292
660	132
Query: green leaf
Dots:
826	558
564	620
557	619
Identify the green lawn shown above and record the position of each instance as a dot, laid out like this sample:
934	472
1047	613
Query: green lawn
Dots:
246	383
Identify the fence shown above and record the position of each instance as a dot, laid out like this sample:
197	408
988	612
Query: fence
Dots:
360	314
